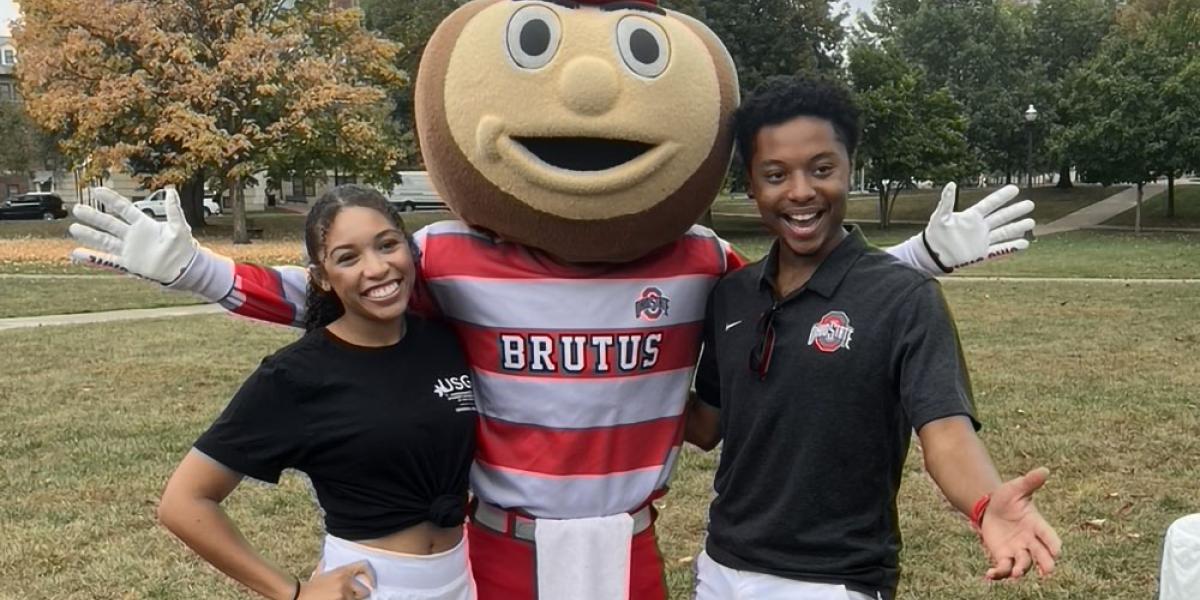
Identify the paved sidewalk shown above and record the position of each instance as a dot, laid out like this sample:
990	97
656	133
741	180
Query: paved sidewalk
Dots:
1148	280
1144	229
1101	211
56	276
109	316
859	222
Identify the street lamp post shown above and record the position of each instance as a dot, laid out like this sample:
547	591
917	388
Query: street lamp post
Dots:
1031	115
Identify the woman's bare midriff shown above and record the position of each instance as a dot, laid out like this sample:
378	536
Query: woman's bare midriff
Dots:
421	539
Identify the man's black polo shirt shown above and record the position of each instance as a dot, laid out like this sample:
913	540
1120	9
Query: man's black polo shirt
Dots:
864	353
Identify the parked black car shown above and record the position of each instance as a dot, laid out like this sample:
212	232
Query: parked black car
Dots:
34	205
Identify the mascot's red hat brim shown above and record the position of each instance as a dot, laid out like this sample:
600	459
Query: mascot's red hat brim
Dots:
603	2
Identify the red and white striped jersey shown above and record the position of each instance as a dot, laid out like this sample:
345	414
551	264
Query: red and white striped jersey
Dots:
581	372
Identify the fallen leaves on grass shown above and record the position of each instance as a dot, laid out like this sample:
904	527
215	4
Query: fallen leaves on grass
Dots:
57	251
1124	510
34	250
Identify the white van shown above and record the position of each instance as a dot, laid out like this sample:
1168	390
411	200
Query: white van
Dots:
155	206
414	191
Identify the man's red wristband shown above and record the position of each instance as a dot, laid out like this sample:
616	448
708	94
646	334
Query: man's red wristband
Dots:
977	511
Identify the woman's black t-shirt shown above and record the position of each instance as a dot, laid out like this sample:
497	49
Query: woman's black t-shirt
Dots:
385	434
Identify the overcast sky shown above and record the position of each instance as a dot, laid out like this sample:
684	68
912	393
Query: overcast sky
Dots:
864	5
854	5
8	12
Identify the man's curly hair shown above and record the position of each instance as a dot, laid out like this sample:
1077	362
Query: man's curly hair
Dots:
782	99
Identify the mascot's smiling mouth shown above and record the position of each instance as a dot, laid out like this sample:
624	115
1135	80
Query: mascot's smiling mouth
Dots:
582	153
569	163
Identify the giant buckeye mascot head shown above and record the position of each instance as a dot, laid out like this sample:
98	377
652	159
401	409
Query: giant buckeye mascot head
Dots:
596	131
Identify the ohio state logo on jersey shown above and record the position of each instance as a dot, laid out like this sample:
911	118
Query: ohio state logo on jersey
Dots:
831	333
651	305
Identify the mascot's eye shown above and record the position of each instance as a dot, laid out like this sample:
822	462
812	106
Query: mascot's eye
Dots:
643	45
533	35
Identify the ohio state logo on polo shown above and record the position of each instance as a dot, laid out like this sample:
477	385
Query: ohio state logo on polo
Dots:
831	333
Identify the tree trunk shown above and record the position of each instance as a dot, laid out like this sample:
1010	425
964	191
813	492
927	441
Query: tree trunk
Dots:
892	203
1170	195
240	235
191	199
1064	177
1137	213
883	211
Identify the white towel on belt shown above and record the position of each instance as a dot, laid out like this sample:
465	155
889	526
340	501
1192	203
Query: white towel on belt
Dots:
584	559
1180	579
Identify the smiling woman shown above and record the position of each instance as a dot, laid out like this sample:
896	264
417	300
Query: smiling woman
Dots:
376	407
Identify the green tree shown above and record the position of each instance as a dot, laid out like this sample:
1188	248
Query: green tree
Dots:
26	147
1135	101
773	37
179	90
409	24
978	50
1172	31
911	130
769	38
1065	34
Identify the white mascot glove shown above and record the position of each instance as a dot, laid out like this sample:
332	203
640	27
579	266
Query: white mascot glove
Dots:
958	239
134	243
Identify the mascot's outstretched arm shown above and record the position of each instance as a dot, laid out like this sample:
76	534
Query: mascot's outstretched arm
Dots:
166	252
957	239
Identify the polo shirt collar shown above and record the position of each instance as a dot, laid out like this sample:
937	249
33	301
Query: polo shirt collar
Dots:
831	271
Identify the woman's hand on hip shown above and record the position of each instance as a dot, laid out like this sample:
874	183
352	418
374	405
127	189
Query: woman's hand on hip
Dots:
352	582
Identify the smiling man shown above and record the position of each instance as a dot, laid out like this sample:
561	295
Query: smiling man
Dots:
818	363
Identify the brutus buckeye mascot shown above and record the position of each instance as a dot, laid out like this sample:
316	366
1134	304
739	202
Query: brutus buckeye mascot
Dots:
578	143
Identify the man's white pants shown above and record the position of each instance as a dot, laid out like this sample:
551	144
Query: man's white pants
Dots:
718	582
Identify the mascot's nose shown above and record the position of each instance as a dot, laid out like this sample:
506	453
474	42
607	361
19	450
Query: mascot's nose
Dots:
589	86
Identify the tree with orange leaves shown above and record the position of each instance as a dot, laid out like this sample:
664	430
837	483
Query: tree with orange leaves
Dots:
177	91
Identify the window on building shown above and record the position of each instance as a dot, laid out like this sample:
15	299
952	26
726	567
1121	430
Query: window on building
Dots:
13	189
10	56
7	92
310	187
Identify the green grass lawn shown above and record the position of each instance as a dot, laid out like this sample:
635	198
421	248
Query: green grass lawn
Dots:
917	205
1154	210
1082	254
43	268
1102	254
1094	380
59	295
